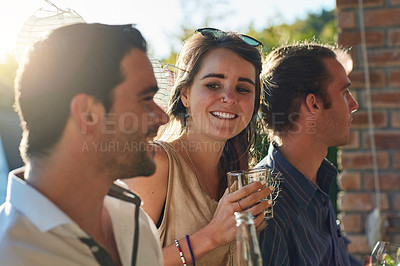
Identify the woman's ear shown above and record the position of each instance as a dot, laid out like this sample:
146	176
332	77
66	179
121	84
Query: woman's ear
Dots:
85	111
185	97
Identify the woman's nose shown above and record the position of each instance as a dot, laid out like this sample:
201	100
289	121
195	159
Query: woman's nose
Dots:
229	97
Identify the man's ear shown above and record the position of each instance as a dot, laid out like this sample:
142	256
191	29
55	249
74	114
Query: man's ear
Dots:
185	97
85	111
313	104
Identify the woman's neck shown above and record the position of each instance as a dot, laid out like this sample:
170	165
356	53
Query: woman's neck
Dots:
203	156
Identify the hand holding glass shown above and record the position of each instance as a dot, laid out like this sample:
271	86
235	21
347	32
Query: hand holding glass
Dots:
241	178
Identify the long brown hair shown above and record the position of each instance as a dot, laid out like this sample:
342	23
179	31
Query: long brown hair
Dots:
237	149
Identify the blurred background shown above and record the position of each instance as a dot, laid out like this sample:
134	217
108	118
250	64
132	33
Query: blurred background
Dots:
369	165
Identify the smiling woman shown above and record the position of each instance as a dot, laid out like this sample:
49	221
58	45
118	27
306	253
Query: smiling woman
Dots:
213	109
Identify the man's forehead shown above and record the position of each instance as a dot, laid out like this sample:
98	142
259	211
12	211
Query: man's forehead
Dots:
138	72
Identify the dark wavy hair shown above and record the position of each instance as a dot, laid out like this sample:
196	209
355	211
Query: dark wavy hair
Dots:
236	152
289	74
80	58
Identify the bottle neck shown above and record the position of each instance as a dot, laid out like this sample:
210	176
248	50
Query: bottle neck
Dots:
243	218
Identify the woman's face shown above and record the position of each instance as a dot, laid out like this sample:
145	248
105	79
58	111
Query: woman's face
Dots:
221	98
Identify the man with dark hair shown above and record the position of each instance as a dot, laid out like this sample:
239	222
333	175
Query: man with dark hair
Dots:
308	107
85	100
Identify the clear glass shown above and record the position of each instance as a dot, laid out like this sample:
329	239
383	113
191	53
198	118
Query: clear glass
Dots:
386	253
241	178
247	248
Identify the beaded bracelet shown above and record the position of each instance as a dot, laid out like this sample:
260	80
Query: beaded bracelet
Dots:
190	250
180	252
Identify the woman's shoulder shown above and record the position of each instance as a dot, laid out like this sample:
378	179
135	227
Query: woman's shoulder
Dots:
165	150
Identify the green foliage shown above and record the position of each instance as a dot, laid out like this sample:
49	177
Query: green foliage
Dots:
319	27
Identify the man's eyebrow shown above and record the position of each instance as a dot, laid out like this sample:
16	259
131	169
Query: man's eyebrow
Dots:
345	87
149	90
221	76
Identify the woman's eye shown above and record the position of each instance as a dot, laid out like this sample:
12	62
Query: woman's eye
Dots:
212	86
243	90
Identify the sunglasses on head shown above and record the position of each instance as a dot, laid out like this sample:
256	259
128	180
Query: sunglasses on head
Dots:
216	33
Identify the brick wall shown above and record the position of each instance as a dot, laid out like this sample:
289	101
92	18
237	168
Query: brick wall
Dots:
357	198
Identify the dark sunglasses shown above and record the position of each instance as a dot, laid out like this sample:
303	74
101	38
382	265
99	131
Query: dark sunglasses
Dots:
216	33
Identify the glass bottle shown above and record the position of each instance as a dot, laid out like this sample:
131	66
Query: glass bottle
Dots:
247	248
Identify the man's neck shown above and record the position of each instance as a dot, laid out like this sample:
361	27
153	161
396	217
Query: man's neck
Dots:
73	188
303	155
80	194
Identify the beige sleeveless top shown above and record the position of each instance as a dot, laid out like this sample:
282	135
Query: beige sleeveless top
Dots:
188	209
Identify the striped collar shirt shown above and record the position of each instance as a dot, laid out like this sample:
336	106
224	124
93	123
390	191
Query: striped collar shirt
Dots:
303	230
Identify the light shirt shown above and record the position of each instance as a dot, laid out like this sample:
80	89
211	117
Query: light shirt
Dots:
34	231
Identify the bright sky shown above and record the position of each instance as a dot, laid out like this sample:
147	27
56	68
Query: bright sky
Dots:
160	20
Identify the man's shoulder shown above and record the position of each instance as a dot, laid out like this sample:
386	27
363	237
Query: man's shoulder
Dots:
10	220
15	234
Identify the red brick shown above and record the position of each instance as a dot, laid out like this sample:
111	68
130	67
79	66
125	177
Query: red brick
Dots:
358	244
354	3
396	119
346	19
372	38
351	223
350	201
396	201
385	99
383	140
376	78
394	78
349	181
394	37
387	181
354	142
396	160
360	119
362	160
382	17
364	202
384	58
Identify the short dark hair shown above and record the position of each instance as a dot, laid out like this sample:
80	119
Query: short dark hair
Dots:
290	73
79	58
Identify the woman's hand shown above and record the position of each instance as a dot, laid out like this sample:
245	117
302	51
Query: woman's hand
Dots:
248	197
222	228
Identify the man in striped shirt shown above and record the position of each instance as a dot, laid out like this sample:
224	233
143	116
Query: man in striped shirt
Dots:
308	107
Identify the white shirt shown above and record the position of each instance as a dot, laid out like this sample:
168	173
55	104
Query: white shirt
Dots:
34	231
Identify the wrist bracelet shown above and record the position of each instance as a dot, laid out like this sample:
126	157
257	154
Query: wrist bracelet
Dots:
190	250
180	252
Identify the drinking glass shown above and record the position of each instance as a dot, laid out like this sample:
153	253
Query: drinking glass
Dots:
386	253
240	178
